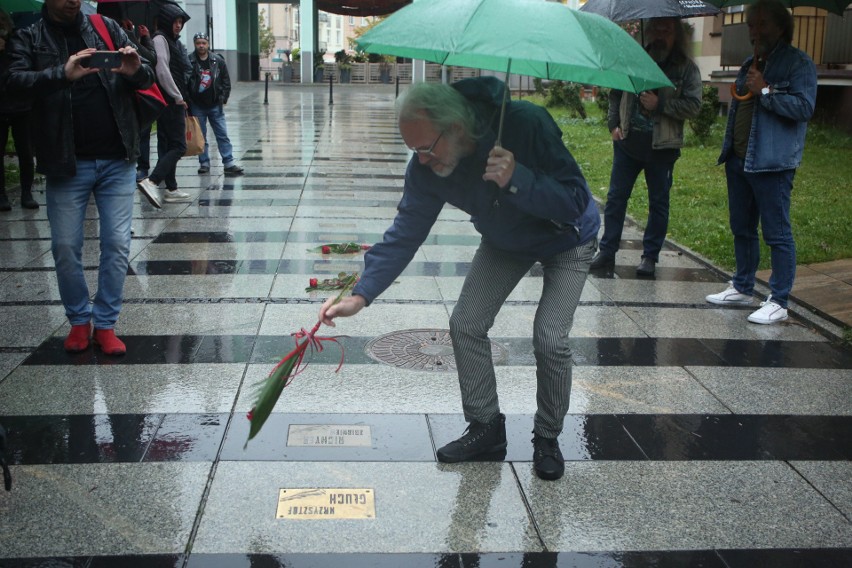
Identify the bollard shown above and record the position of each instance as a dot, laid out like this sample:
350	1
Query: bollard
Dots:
330	91
266	90
397	86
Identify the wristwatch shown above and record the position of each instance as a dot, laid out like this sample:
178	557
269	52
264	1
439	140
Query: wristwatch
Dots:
767	90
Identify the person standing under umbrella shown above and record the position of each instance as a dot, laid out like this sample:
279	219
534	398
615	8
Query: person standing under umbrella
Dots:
647	134
528	199
763	147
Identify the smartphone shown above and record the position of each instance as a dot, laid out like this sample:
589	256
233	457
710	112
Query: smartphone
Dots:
103	60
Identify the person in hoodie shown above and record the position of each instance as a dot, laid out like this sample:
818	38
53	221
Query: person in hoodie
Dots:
531	204
87	147
173	71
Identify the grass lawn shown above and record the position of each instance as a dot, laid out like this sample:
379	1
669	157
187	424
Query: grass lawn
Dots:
821	206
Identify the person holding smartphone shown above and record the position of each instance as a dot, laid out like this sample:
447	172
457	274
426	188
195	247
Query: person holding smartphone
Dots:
88	145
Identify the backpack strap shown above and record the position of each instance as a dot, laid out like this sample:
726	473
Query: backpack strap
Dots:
100	27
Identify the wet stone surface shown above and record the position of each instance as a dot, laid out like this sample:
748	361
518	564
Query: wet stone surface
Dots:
421	349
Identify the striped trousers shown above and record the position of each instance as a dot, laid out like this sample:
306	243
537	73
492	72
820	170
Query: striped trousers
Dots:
492	277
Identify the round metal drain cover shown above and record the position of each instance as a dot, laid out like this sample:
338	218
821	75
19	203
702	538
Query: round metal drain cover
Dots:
421	350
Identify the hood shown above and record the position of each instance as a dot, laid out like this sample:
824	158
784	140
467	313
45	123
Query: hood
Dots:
482	90
168	12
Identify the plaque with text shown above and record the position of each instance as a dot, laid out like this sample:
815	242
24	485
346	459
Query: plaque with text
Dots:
337	238
326	503
330	435
330	267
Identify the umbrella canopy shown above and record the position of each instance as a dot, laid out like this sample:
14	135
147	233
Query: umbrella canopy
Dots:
626	10
10	6
833	6
539	39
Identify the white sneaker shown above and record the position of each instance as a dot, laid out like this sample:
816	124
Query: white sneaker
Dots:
149	190
175	196
730	297
769	312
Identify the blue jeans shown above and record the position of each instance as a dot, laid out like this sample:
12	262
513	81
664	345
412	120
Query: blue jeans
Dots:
765	198
658	177
113	183
216	116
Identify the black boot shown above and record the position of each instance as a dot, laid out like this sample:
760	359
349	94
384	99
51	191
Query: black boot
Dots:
480	441
602	261
547	458
27	201
646	267
4	202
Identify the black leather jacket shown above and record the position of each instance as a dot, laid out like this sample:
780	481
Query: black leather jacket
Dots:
37	69
219	75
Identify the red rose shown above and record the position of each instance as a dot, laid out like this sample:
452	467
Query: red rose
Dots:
313	282
326	249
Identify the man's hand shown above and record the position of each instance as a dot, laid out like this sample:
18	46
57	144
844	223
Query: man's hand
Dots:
143	31
130	61
347	306
499	167
649	100
754	81
616	134
73	68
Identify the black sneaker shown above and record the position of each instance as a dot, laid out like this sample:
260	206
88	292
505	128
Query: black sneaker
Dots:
480	441
204	169
547	458
602	261
234	170
646	267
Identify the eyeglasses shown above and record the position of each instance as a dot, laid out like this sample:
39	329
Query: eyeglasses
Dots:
427	151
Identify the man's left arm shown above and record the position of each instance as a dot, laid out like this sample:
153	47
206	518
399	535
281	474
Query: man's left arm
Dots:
133	68
546	181
687	103
226	80
794	96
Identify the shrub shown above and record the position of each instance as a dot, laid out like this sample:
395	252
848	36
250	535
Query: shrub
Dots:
702	125
562	94
602	100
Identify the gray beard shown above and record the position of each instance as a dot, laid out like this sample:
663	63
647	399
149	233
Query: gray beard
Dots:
658	54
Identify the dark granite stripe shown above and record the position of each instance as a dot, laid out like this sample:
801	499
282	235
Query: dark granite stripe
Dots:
626	351
296	201
298	236
113	438
741	558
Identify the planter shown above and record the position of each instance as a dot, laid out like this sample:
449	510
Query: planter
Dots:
345	75
286	74
319	75
384	76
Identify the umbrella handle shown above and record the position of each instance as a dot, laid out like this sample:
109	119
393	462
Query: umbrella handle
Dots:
749	94
499	141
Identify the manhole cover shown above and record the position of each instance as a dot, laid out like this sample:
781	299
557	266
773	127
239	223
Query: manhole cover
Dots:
421	350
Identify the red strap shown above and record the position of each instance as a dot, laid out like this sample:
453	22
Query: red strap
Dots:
100	27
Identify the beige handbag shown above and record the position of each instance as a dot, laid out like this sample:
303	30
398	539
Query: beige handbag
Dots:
194	138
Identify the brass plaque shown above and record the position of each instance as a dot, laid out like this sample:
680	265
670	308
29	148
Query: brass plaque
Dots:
337	238
332	268
326	503
330	435
337	225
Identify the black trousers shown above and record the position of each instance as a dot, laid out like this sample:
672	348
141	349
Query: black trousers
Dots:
171	145
19	125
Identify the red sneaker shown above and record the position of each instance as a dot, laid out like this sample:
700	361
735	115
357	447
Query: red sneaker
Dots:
108	342
78	338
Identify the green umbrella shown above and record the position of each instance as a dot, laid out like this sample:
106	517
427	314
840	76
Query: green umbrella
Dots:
833	6
10	6
537	38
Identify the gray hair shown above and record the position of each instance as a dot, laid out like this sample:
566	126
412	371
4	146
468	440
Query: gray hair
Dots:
440	104
775	11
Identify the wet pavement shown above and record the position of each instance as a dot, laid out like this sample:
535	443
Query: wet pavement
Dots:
694	438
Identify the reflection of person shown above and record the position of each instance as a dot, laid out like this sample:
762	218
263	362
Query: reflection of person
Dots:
15	117
763	147
172	74
91	151
531	204
209	89
647	134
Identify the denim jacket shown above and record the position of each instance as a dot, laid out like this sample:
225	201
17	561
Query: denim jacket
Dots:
777	136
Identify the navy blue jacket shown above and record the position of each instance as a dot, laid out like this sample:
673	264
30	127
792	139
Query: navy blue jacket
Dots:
548	210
